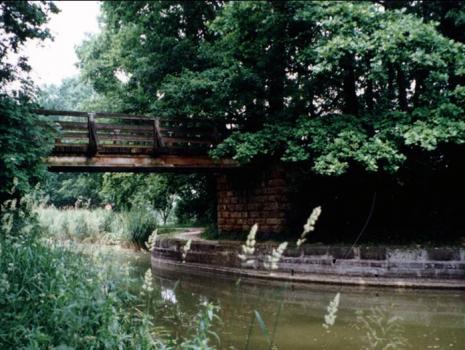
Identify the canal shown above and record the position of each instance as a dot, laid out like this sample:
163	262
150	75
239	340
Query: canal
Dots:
367	318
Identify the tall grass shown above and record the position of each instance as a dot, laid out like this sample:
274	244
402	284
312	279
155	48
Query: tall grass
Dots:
98	225
139	224
54	298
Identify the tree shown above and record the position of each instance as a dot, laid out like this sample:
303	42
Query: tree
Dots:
71	94
161	192
23	138
120	62
351	84
362	92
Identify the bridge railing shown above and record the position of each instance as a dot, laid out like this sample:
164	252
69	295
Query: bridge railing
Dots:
117	133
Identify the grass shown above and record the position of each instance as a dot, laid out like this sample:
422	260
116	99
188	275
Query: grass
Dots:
97	225
52	297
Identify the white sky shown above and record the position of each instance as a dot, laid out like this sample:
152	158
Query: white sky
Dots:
51	61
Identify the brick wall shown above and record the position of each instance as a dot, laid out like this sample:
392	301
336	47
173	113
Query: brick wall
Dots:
252	196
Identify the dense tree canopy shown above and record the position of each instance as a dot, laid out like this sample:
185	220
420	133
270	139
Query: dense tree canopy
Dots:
334	84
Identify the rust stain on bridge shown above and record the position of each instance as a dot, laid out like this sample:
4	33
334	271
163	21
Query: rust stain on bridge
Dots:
122	142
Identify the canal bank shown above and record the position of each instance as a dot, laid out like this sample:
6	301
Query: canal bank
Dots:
382	266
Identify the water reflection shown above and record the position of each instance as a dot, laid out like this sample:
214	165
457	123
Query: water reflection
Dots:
367	318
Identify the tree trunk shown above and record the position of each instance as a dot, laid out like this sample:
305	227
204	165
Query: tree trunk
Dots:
420	78
402	88
277	61
390	90
369	95
350	104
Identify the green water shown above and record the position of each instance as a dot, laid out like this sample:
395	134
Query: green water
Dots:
367	317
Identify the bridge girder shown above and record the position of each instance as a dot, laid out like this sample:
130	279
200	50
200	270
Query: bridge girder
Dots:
137	163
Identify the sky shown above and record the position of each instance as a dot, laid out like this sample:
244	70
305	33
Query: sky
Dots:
52	61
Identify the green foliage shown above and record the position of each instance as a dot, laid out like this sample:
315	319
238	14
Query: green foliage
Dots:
186	198
128	190
67	300
388	53
20	21
127	228
139	225
137	35
24	139
83	225
189	197
70	189
328	84
71	94
61	300
197	200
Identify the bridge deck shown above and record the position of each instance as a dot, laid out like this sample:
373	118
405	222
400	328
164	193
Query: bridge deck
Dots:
136	163
121	142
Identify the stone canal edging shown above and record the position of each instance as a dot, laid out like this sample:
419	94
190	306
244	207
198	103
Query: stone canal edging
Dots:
437	267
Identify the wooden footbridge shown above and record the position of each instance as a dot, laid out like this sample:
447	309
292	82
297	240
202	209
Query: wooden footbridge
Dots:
87	142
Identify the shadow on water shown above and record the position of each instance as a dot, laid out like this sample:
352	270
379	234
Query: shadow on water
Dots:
367	318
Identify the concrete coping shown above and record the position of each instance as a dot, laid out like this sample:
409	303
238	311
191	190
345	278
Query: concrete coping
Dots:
382	266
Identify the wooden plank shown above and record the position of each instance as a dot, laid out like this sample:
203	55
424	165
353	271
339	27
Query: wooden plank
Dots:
187	134
185	131
70	149
138	163
185	126
68	144
146	133
60	113
74	134
125	149
168	140
102	126
72	125
183	151
100	115
126	146
85	114
73	139
130	117
126	138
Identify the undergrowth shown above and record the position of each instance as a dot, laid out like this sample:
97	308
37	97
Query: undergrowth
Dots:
54	298
98	225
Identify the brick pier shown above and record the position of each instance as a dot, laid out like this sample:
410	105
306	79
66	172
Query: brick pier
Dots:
247	197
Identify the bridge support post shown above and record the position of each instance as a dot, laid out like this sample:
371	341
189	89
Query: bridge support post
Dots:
248	196
93	141
157	141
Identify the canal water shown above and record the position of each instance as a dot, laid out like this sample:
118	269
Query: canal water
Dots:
366	318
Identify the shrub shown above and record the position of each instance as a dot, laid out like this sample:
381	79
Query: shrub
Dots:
140	223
